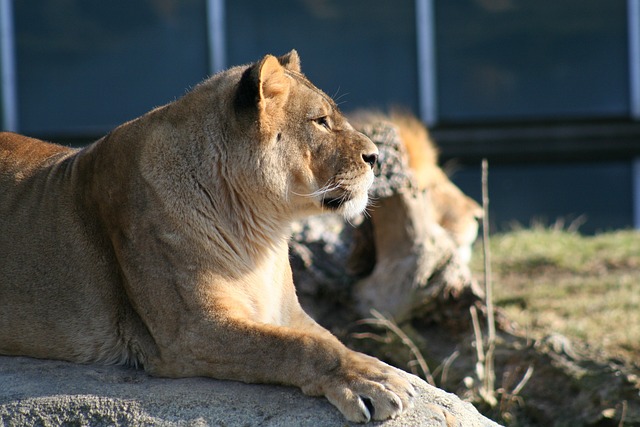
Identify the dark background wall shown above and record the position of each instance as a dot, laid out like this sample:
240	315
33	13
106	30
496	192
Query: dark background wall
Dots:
542	89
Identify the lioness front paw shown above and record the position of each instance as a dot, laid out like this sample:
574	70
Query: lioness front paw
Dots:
364	388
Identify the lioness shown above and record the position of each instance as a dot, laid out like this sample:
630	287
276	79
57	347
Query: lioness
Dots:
164	244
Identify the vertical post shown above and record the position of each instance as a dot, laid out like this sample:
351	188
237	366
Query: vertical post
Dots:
425	33
8	67
633	15
216	31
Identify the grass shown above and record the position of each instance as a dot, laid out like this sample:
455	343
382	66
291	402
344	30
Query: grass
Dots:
584	287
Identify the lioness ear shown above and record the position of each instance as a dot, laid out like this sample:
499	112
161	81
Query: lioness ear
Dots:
274	85
290	61
273	92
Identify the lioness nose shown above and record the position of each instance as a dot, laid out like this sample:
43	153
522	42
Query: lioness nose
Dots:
370	158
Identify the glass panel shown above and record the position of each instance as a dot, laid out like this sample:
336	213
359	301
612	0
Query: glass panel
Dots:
525	193
85	66
521	59
362	52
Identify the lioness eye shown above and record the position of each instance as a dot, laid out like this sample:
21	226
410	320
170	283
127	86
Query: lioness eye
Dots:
323	121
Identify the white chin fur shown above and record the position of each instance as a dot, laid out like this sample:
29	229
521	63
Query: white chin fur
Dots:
353	207
357	205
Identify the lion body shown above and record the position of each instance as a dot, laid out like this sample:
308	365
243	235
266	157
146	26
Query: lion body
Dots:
453	210
456	212
59	247
164	243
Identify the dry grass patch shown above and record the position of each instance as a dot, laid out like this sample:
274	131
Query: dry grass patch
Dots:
584	287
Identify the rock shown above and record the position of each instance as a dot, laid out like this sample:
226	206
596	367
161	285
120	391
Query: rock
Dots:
417	266
52	393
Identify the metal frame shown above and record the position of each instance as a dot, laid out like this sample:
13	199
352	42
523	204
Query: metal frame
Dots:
425	33
633	15
8	68
216	31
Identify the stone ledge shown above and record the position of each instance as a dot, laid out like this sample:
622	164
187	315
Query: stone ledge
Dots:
51	393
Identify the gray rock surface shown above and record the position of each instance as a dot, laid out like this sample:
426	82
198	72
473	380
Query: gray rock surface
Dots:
53	393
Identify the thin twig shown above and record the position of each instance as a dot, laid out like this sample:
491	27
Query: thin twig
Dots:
447	364
487	253
489	368
525	379
380	320
374	337
624	414
479	345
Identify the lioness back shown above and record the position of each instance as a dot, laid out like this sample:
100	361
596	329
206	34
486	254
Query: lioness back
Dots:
21	153
48	271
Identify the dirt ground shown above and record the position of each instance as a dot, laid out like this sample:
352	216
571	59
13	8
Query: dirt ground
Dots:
567	351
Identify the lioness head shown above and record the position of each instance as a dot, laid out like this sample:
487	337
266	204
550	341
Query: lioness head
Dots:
287	147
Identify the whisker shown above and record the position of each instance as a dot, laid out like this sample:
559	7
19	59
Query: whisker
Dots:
373	205
327	188
337	100
348	221
373	202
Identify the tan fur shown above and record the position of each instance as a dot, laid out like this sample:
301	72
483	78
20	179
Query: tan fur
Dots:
164	243
454	211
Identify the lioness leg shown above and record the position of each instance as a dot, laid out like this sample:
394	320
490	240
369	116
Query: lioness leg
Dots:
360	386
